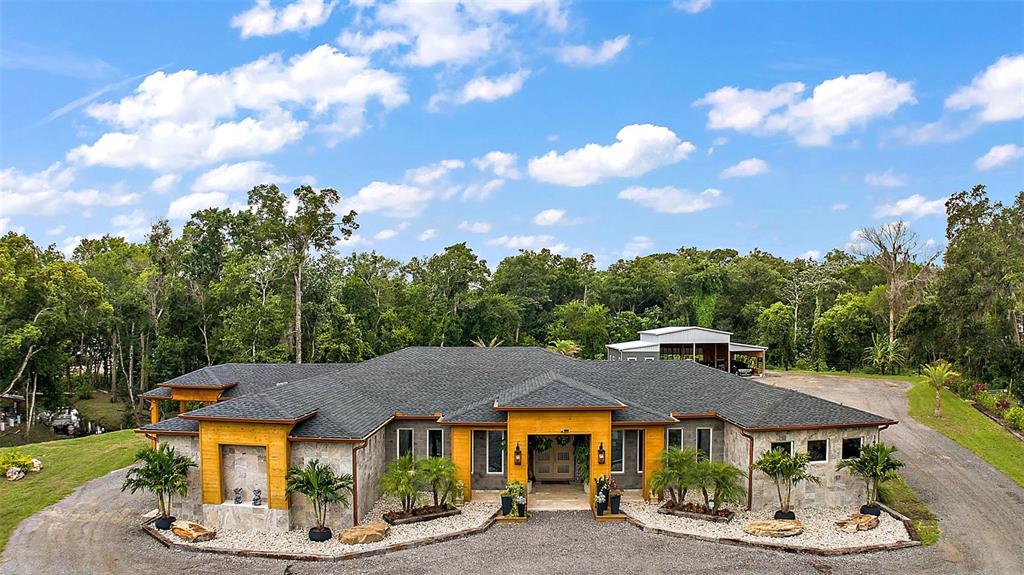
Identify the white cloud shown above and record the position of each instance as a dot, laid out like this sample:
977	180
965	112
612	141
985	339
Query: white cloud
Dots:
129	220
385	234
164	183
997	93
834	108
670	200
586	56
186	118
265	20
999	156
691	6
482	191
810	255
56	230
533	242
745	169
183	207
427	234
636	246
554	217
393	200
856	242
491	89
501	164
48	193
640	148
426	175
886	179
839	207
240	177
914	206
361	43
475	227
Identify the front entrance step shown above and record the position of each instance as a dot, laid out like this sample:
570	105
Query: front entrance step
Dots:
608	517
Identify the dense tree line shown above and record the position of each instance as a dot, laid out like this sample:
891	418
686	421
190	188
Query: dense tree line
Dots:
268	284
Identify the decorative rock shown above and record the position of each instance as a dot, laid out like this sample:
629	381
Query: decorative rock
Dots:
369	533
37	465
857	522
775	528
192	531
15	473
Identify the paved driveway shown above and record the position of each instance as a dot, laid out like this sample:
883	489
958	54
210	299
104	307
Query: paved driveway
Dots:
981	512
95	530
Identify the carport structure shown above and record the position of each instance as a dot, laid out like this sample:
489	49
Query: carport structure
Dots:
711	347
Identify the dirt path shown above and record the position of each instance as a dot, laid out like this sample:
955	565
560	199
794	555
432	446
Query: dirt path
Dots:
980	510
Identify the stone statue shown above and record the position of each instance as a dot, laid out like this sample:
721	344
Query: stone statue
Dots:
238	495
256	497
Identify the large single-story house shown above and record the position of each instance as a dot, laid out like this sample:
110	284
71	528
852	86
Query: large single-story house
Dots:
711	347
480	407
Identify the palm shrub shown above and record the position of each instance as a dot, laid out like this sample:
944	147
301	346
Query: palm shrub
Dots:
401	481
676	474
786	471
939	374
726	483
875	465
440	474
162	472
565	347
322	486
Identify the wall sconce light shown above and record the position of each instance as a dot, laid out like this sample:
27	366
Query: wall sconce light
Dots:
600	454
518	455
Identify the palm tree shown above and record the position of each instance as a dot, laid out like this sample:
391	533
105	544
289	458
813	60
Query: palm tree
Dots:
565	347
401	482
874	465
163	473
727	482
495	342
440	474
676	474
786	471
874	354
939	374
318	482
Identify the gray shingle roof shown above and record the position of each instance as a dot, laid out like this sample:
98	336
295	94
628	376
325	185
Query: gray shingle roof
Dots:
245	378
463	383
174	424
551	389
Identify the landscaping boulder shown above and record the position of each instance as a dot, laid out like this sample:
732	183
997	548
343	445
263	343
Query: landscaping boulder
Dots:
15	473
192	531
37	465
857	522
369	533
775	528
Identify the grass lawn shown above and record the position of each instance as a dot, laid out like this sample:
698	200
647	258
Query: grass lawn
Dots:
899	496
98	409
970	428
67	464
907	378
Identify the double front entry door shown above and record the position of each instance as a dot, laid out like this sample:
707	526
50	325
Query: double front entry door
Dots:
554	463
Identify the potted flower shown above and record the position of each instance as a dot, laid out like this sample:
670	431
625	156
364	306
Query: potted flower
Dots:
614	496
601	493
600	500
786	471
513	500
874	465
318	482
163	473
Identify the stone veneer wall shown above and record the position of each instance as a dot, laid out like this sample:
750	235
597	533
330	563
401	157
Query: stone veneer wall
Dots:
244	466
336	454
419	437
371	467
189	507
689	427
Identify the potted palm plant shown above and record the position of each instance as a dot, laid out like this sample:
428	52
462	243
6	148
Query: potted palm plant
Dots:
786	471
318	482
875	465
163	473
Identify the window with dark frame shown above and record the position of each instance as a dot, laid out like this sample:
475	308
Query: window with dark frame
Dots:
786	446
618	449
851	447
435	443
675	438
817	449
495	451
640	451
404	442
704	441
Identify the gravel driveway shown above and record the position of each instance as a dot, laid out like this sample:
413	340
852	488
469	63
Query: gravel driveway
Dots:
95	530
980	510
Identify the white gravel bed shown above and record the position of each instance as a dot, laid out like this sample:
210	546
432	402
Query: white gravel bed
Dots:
820	531
474	514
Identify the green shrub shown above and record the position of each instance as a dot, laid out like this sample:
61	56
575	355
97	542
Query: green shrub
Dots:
14	458
83	390
987	401
1015	417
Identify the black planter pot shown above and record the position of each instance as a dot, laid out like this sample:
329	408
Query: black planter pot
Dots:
785	515
163	523
871	510
320	535
521	509
601	508
613	504
506	505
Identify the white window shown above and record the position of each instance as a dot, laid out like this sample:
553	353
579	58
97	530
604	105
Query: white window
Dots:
495	452
786	446
618	450
704	441
675	438
648	359
817	450
404	441
435	443
630	359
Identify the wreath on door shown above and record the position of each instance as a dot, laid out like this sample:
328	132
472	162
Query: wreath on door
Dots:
563	440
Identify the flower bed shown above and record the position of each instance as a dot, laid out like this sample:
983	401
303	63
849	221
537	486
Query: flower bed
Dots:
420	514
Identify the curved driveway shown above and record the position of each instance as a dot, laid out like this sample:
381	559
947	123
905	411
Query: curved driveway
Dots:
95	530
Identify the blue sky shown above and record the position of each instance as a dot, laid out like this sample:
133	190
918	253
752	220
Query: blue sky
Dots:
608	128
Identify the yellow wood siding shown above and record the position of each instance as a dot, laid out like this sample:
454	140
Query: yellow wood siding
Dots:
204	395
272	436
654	444
596	424
462	457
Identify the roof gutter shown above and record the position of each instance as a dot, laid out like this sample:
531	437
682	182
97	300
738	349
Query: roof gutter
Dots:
750	468
355	482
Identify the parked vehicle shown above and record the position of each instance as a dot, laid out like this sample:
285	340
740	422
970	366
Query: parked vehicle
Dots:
741	369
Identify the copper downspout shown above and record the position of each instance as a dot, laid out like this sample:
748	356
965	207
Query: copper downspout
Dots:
355	483
750	469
